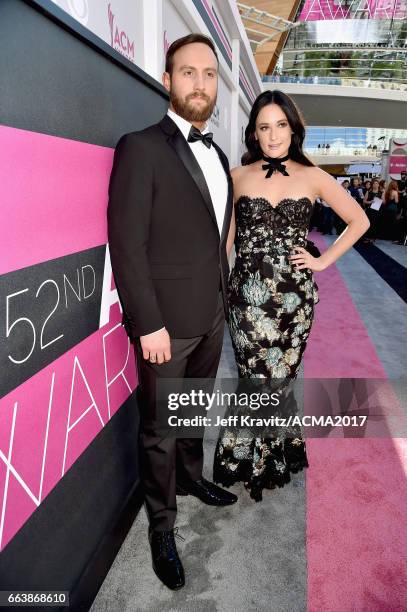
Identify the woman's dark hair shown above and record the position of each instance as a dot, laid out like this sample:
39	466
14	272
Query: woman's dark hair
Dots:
295	120
182	42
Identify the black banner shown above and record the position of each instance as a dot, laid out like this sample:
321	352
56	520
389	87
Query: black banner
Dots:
45	310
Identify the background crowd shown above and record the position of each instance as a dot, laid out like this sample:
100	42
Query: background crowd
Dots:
385	203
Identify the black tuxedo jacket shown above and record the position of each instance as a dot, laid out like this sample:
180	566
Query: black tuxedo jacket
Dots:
168	259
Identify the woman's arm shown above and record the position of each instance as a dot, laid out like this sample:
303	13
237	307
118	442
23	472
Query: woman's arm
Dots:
348	210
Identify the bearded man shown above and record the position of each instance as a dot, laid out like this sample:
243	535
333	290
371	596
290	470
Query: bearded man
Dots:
170	206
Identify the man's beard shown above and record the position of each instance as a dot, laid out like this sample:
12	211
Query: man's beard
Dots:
187	111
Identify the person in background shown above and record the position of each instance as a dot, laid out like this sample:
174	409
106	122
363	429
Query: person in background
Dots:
402	189
337	222
372	213
316	217
355	190
389	210
402	184
327	218
345	185
366	186
400	225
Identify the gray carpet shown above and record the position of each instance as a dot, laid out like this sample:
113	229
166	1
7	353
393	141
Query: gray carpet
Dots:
382	311
252	556
249	557
398	252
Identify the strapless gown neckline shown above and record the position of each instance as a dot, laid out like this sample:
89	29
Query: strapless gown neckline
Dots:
268	202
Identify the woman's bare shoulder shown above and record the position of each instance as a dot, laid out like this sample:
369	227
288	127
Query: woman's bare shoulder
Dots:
239	175
317	180
238	171
316	175
314	171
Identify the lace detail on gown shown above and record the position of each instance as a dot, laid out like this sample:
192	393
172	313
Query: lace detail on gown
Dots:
271	313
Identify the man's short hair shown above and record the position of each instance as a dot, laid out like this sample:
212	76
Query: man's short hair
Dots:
182	42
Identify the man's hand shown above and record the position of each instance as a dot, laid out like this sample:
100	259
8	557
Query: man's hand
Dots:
156	346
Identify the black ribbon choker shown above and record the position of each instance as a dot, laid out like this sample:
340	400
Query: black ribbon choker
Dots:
275	164
195	134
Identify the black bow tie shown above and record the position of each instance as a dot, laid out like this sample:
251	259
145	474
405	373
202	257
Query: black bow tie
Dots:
274	163
195	134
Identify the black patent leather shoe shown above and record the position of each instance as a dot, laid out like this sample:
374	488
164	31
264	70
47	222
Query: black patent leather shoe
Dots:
208	492
166	562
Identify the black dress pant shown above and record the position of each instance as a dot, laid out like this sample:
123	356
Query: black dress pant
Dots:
168	460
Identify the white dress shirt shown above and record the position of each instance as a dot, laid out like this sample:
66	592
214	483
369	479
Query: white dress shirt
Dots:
211	166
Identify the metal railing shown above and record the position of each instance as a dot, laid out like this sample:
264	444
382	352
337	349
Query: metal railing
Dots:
334	150
390	83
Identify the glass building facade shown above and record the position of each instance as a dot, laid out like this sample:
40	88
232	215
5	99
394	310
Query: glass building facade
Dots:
348	39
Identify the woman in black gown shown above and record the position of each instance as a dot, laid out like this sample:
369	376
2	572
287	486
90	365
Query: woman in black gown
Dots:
373	214
272	292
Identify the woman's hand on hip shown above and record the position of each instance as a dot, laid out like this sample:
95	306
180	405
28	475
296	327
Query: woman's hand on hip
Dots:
302	259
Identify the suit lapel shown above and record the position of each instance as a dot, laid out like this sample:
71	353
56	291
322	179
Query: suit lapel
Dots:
177	141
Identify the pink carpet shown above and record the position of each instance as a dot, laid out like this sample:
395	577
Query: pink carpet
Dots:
356	488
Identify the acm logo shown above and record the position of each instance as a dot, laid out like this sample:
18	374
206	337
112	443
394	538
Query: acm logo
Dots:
118	38
166	42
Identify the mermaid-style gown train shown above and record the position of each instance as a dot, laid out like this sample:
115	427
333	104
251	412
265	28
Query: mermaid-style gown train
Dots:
271	313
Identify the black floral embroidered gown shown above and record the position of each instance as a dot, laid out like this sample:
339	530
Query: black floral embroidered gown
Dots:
271	312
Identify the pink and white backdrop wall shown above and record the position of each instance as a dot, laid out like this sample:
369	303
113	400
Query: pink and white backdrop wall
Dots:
66	361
